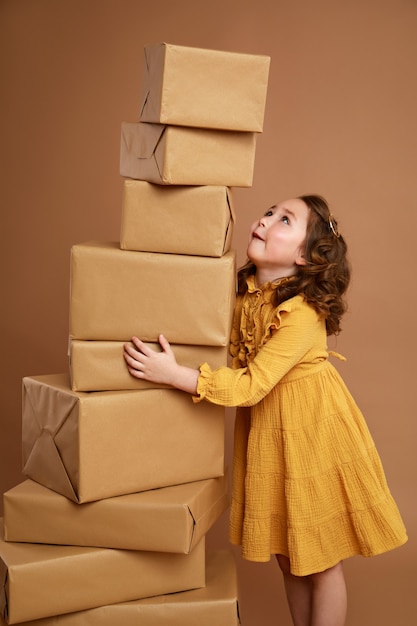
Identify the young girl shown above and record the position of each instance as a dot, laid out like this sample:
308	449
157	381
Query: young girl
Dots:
308	485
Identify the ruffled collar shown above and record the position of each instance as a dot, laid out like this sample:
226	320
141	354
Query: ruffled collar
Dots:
259	317
267	288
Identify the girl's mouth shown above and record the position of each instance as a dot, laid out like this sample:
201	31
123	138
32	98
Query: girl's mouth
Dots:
256	236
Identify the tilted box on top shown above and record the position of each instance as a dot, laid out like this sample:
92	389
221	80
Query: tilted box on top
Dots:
205	88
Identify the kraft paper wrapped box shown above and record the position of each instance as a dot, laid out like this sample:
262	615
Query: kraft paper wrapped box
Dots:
204	88
38	580
100	365
194	220
90	446
170	519
116	294
179	155
216	604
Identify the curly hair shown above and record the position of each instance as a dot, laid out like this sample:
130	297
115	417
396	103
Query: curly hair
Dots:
325	277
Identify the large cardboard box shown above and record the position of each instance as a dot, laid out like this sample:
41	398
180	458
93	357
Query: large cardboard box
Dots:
38	580
100	365
216	604
89	446
170	519
206	88
195	220
116	294
179	155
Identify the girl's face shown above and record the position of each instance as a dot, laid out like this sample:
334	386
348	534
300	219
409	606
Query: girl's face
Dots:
276	240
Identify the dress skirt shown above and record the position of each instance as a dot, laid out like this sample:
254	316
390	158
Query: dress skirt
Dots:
307	479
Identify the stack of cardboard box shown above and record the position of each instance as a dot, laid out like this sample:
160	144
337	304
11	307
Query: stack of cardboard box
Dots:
126	477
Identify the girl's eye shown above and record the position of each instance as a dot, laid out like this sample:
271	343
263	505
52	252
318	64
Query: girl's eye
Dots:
269	213
285	219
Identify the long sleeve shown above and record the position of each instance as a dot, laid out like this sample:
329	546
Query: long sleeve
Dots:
289	346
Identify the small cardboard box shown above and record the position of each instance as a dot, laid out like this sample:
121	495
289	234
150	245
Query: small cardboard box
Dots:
100	365
205	88
89	446
179	155
214	605
170	519
38	580
177	219
116	294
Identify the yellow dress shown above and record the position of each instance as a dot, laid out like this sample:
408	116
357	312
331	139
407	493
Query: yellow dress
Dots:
307	480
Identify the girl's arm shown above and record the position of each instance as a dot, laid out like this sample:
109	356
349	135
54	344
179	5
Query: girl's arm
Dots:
232	387
159	367
299	329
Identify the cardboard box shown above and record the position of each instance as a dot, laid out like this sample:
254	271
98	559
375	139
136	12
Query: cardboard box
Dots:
116	294
170	519
89	446
206	88
38	580
100	365
177	219
179	155
214	605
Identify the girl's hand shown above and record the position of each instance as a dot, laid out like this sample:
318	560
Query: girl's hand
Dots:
159	367
143	362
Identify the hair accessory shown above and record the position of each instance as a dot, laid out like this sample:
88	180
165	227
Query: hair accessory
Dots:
333	227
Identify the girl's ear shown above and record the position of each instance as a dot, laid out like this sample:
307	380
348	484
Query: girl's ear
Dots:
300	260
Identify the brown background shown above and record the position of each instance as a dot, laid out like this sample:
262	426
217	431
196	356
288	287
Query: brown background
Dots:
340	120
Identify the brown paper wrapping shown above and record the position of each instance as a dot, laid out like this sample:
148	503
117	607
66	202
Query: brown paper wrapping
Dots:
178	155
194	220
41	580
100	365
206	88
116	294
89	446
170	519
214	605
